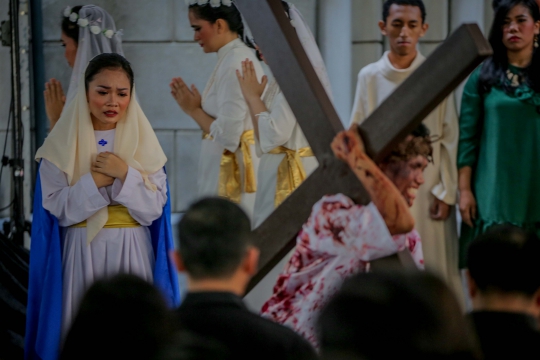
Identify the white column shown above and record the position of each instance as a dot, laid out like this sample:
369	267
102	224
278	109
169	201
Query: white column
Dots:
467	11
334	37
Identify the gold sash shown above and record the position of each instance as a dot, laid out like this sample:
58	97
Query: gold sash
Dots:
291	172
119	217
229	172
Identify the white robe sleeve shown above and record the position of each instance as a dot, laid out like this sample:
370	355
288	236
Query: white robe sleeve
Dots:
229	123
446	189
276	127
358	114
143	204
70	204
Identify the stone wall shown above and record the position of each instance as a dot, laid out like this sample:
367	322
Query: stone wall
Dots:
158	42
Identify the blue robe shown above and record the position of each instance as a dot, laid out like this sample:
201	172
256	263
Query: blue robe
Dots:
44	309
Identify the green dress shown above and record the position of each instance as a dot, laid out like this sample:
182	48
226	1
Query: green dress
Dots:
500	140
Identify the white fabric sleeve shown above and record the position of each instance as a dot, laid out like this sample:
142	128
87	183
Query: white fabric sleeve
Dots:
143	204
228	126
358	114
70	204
276	127
337	227
446	189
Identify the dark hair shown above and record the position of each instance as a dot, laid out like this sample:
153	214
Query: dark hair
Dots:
505	259
493	71
123	317
389	3
107	61
420	144
230	14
186	345
214	236
386	315
71	29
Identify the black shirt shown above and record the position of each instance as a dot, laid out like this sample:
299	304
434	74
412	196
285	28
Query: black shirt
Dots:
223	317
505	335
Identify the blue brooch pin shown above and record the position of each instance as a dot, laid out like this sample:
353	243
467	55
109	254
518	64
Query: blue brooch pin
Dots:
102	142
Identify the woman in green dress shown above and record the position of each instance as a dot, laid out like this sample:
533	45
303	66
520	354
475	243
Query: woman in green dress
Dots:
499	142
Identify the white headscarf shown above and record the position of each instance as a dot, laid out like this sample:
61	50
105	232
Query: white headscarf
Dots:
71	146
310	47
91	44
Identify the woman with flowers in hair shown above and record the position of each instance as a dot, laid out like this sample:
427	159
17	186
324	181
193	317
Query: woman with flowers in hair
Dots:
227	165
101	204
87	31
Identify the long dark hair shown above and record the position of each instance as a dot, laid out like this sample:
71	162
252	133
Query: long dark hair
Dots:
493	71
70	28
230	14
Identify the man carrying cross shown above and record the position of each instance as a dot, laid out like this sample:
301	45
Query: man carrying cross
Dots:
340	237
403	24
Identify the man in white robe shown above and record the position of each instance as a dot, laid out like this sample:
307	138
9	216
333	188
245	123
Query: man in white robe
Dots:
404	24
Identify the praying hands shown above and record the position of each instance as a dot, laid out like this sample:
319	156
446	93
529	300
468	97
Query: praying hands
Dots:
54	101
110	165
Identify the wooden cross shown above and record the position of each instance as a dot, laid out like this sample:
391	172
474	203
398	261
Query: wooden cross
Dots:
389	124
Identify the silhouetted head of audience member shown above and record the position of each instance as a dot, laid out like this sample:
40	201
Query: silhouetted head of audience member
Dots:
390	315
504	271
123	317
215	249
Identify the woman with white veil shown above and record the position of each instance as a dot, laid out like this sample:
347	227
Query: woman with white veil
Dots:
87	31
286	158
101	204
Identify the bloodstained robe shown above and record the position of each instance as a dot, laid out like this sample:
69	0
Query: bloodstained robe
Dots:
339	239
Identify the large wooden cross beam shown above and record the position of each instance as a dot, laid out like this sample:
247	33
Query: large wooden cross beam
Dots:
396	117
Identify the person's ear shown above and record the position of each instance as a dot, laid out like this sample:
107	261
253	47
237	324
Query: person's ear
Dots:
425	27
178	261
536	303
251	261
537	28
382	26
221	26
471	285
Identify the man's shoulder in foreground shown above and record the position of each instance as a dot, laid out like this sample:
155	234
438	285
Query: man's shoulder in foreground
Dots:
504	334
224	317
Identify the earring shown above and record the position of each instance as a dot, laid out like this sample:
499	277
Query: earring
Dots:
536	41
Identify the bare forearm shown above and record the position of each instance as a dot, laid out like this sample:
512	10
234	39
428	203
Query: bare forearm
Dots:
386	197
203	119
464	178
256	106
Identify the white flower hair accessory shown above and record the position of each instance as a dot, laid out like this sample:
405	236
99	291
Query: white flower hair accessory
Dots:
94	27
82	22
67	11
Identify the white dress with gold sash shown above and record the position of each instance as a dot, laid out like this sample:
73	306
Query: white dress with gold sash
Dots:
278	128
113	250
223	100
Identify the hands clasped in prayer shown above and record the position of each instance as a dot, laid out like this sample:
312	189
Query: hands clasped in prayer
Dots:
54	100
108	167
189	99
251	88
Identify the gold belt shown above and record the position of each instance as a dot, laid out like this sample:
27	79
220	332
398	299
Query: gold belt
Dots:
119	217
229	172
291	172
